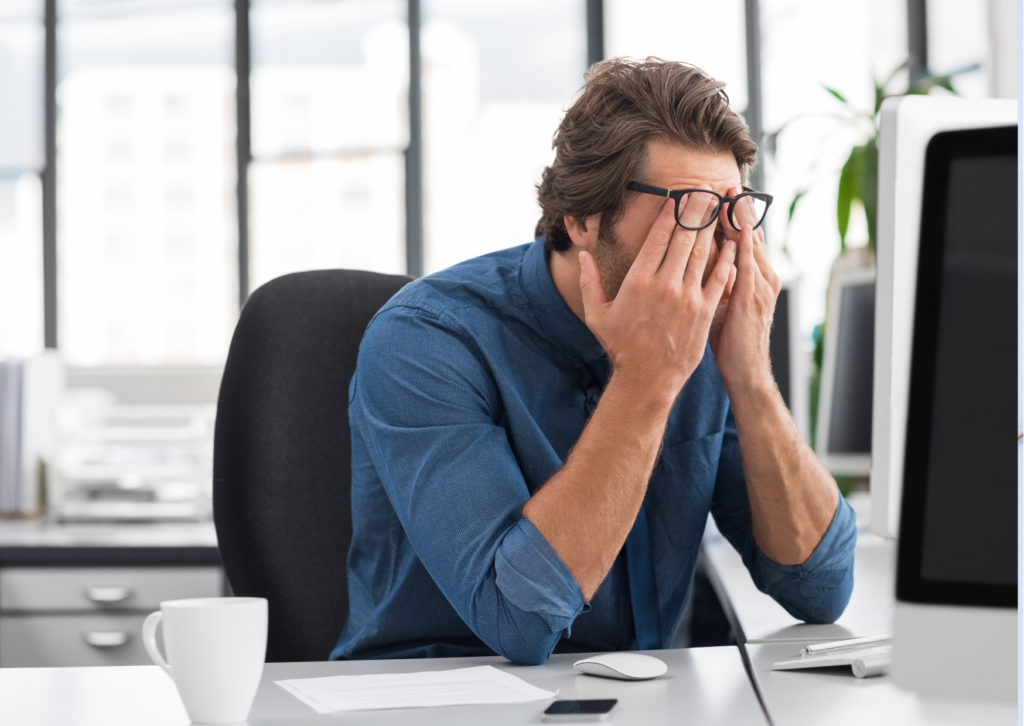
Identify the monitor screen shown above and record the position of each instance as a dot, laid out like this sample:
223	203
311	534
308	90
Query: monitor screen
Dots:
959	526
778	347
849	429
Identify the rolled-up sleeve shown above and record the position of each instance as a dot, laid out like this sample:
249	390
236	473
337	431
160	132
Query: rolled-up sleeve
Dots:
427	409
816	591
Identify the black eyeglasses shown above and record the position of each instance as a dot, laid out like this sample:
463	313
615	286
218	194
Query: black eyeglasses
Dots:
753	206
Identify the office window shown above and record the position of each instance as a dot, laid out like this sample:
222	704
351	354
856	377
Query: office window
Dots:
807	45
21	161
710	35
147	231
496	79
958	37
329	90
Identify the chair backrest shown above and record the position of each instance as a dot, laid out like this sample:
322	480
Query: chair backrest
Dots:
282	452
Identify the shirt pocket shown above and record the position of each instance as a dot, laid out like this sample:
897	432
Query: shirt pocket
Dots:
682	486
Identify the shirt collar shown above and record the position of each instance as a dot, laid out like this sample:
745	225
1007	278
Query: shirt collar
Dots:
557	321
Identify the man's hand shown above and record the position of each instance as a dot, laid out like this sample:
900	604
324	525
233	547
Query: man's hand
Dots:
655	329
742	323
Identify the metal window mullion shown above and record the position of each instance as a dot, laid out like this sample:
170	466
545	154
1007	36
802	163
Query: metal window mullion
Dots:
414	152
917	40
243	150
755	105
595	32
49	176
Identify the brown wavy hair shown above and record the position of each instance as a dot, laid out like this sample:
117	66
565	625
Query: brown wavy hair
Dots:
602	142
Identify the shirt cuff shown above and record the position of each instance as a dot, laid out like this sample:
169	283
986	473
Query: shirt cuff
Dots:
834	551
531	576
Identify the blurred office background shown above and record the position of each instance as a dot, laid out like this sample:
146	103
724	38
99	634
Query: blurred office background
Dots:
160	159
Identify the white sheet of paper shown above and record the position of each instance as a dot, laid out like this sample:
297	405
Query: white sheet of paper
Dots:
459	687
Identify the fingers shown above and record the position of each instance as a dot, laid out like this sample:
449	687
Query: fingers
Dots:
590	284
721	275
652	254
746	265
764	266
723	217
700	254
744	211
710	264
694	212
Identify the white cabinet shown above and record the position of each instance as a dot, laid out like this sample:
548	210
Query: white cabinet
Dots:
86	616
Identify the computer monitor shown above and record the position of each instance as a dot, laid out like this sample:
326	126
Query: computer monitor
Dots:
843	436
787	356
957	562
907	125
946	358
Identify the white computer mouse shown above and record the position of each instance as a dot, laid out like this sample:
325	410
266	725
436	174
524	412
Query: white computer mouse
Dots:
624	666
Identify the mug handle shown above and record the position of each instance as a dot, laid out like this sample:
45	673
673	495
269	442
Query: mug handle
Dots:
149	640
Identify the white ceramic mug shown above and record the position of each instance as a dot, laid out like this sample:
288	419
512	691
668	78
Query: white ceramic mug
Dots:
215	652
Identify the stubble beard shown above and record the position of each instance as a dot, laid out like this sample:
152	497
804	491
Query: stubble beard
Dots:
613	261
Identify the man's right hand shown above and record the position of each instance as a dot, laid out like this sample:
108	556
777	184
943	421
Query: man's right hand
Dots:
655	329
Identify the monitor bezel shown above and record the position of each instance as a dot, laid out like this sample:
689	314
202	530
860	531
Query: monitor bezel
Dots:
942	149
840	464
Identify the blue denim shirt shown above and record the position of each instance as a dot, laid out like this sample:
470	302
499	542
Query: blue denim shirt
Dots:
471	388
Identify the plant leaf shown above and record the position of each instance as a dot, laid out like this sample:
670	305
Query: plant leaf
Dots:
970	68
845	197
792	206
869	188
945	82
902	66
837	94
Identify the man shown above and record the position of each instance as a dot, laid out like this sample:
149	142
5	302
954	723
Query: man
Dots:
539	434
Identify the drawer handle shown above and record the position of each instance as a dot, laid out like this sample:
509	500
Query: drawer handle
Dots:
107	595
106	639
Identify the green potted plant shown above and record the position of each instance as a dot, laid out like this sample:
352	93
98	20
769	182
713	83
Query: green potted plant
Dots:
858	187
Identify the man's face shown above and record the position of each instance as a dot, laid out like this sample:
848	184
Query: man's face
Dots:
670	166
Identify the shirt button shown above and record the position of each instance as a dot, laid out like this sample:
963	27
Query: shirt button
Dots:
577	360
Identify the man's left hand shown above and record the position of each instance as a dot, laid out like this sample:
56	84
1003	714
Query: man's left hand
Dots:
742	323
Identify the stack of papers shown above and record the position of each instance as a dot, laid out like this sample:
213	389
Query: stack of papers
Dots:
460	687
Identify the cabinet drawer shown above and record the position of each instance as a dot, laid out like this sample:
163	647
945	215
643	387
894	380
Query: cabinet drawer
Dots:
64	640
104	588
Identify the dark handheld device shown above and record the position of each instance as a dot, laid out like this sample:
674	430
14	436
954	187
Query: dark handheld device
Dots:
590	710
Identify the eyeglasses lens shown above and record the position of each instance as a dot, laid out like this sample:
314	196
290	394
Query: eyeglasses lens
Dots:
696	209
748	210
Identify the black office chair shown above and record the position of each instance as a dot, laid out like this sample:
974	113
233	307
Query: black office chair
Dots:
282	453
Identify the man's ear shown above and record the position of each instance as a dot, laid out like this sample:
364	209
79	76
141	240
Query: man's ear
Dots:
583	232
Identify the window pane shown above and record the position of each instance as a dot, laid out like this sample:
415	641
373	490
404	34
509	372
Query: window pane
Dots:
330	125
21	84
710	35
864	39
147	230
958	37
21	263
21	160
496	78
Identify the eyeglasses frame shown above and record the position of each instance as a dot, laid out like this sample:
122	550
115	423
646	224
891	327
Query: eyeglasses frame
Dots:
678	194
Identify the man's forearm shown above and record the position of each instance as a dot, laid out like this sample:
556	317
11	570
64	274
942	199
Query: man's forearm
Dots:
587	509
792	497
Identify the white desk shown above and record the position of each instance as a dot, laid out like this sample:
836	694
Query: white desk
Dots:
762	620
703	686
833	696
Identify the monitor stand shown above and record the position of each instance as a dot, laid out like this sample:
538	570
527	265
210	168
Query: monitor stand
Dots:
956	652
